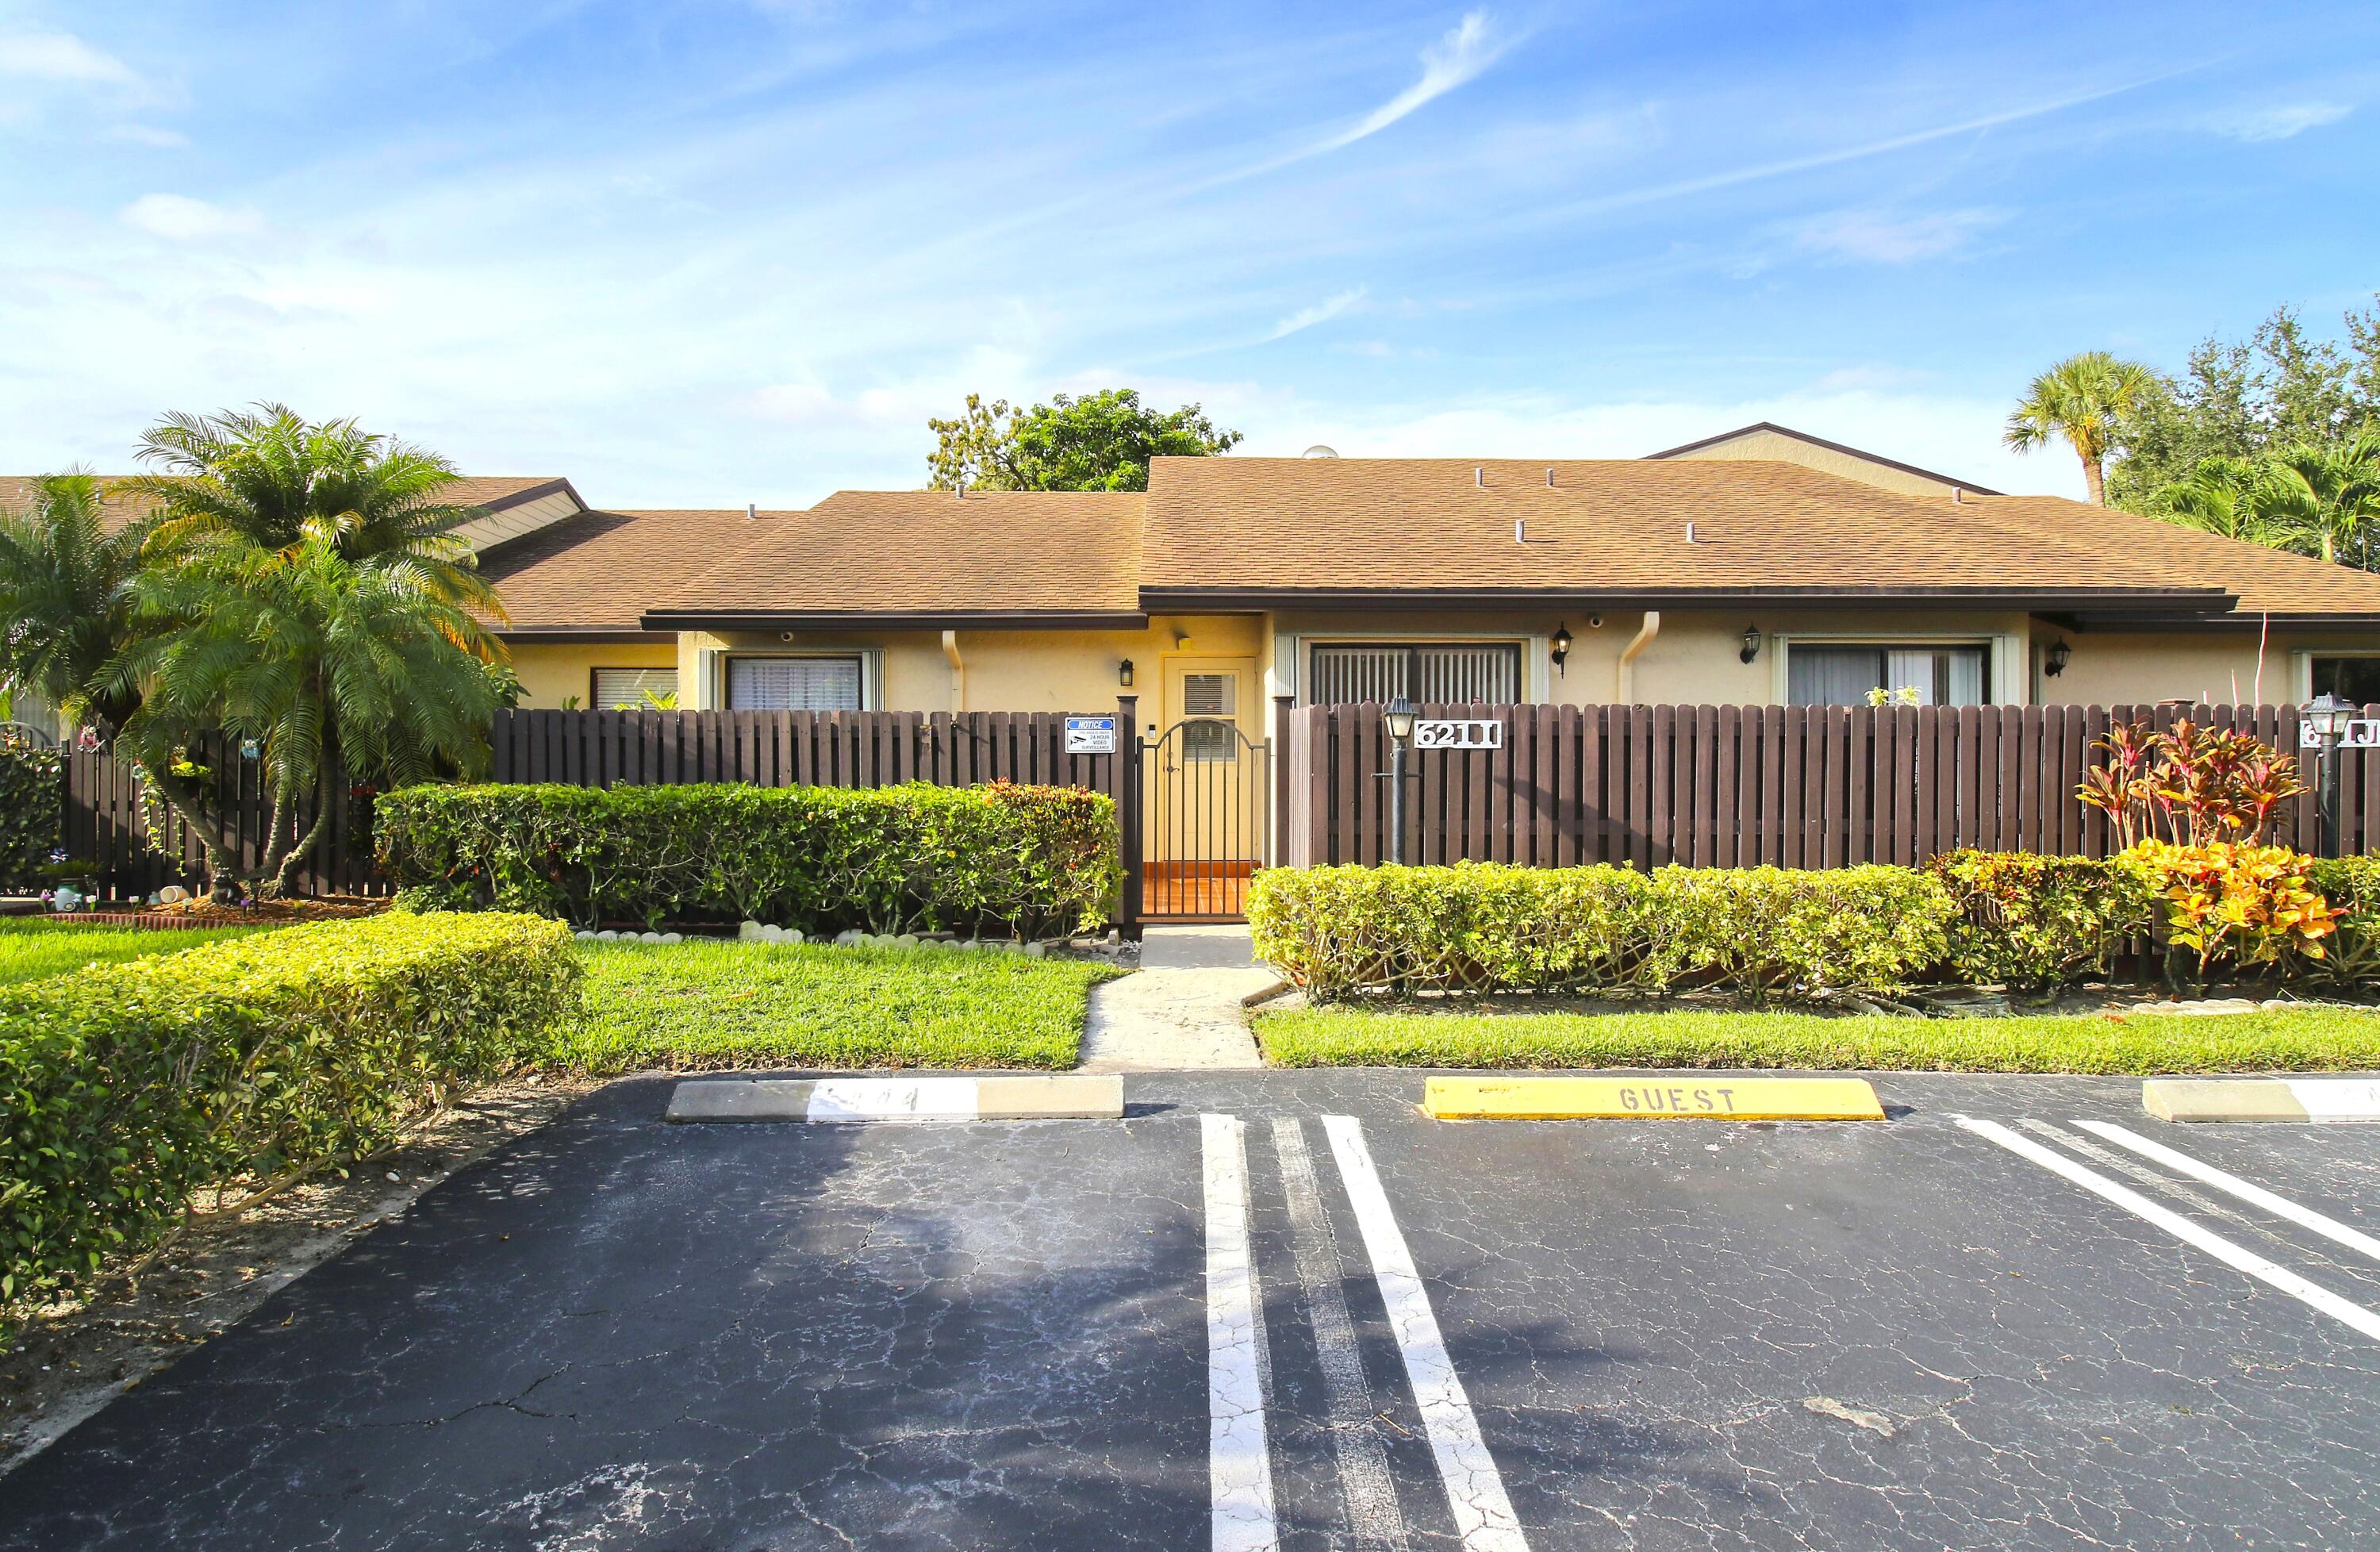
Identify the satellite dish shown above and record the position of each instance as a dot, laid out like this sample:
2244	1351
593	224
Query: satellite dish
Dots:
1318	451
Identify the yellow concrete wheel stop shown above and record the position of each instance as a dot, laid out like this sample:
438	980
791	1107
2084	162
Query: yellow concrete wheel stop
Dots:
1654	1097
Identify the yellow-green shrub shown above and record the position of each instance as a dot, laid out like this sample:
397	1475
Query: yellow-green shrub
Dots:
126	1087
2039	922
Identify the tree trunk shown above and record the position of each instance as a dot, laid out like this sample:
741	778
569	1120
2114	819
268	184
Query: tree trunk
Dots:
223	869
2095	480
278	886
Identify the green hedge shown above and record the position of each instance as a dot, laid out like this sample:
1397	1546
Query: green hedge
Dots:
126	1087
1034	860
2038	922
1490	927
2352	885
32	810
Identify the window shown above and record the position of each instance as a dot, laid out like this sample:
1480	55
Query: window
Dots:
1216	696
1843	674
793	683
1454	673
2355	679
634	689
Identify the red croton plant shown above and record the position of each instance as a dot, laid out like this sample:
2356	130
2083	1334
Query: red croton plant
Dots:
2193	808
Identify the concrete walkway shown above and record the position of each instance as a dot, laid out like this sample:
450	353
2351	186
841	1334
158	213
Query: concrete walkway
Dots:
1183	1011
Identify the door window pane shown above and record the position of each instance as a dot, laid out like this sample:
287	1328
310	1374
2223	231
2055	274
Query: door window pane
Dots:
793	683
1208	702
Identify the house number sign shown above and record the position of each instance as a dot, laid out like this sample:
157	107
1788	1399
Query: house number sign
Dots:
2363	733
1457	732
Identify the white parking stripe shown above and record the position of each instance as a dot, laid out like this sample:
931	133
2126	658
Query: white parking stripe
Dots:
1474	1488
2180	1228
1373	1516
1239	1462
2280	1206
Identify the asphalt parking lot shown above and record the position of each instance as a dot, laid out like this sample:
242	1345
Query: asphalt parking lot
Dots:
1285	1309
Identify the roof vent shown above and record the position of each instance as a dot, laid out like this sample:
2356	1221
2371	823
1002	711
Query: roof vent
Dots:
1550	477
1689	533
751	512
1479	478
1319	451
1957	497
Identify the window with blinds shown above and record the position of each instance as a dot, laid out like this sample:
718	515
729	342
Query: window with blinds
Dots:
1845	675
793	683
1429	673
1212	696
634	689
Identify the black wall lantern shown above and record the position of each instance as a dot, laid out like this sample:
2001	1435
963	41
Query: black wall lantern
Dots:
1751	643
1561	648
1123	674
2054	661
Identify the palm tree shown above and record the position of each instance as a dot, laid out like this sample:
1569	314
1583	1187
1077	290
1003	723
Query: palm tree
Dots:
334	663
2312	498
2082	400
265	476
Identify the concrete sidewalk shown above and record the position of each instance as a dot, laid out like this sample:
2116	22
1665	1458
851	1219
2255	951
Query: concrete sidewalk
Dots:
1183	1011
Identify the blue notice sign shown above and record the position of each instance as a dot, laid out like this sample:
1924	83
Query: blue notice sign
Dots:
1091	735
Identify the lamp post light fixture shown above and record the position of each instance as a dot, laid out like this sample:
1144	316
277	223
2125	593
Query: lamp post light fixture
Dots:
1398	717
2054	661
1561	648
2328	715
1751	643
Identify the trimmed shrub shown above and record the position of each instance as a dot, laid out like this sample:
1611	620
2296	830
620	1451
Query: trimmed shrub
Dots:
123	1088
2238	904
2352	887
1487	926
32	809
2037	923
1029	859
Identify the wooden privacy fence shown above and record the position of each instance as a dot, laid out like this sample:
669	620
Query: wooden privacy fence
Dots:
792	748
1736	786
104	825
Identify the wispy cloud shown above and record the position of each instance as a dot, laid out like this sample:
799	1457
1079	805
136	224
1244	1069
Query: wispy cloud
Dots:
183	218
1873	237
1308	317
1450	62
61	56
2277	123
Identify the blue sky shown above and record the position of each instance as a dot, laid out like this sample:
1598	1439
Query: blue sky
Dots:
698	254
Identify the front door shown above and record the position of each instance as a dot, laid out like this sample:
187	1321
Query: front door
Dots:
1207	798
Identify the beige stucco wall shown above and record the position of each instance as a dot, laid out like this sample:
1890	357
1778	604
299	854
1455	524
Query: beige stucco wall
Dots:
552	672
1791	450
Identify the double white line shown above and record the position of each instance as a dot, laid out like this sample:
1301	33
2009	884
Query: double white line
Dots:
2263	1269
1239	1460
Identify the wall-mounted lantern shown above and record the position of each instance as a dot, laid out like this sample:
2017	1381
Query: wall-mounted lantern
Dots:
1123	674
1562	647
1751	643
2054	661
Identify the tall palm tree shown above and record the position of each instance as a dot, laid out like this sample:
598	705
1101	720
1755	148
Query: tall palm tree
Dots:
62	597
2082	401
266	475
335	664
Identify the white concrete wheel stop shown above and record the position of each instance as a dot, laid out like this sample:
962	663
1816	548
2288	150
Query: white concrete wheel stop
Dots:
1055	1097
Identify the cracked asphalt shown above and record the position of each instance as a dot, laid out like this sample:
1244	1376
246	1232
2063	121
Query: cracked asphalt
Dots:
1666	1334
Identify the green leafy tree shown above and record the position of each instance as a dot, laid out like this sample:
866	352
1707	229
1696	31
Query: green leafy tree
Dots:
1099	441
338	664
2320	499
2081	401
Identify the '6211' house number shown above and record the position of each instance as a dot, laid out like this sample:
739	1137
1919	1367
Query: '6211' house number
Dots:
1458	733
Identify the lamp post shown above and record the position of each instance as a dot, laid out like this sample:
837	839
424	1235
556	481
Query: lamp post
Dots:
2327	716
1399	716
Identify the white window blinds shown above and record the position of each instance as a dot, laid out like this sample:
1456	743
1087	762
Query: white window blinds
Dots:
793	683
627	688
1432	676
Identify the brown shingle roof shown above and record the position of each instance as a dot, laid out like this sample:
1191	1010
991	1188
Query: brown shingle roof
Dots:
596	570
16	490
1051	556
1243	530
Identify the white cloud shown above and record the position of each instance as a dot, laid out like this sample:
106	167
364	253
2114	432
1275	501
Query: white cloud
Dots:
2277	123
1870	237
60	57
183	218
1308	317
1451	61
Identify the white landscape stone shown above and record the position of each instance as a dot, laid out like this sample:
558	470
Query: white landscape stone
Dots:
584	936
750	932
673	937
609	935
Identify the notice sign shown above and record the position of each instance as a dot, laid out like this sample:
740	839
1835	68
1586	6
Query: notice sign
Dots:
1091	735
1458	733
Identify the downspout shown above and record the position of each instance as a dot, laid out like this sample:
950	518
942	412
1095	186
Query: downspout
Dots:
1623	677
958	670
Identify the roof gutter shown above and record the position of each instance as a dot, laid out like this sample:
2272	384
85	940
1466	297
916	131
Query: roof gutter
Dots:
863	619
2165	600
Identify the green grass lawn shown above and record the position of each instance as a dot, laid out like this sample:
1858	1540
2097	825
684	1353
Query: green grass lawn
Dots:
2313	1039
33	947
704	1004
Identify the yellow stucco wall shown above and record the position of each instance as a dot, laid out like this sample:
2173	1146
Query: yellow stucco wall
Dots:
1693	658
551	671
